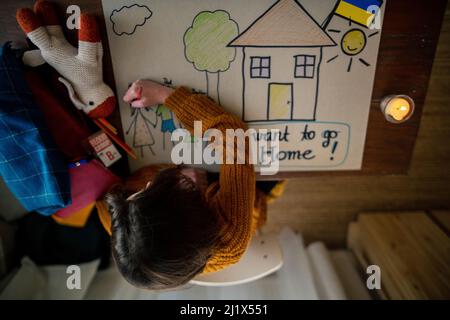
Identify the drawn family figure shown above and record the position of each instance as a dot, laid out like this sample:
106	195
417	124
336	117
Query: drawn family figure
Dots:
142	134
167	122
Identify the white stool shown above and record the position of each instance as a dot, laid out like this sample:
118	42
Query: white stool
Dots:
263	257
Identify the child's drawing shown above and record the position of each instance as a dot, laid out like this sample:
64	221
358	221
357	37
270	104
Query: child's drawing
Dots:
128	18
304	67
285	32
355	40
362	12
167	122
352	44
142	134
206	46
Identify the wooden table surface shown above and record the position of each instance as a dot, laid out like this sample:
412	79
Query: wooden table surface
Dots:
408	43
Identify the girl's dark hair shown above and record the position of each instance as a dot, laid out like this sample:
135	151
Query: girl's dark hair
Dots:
163	236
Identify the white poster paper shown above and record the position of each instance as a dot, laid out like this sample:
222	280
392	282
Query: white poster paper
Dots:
303	67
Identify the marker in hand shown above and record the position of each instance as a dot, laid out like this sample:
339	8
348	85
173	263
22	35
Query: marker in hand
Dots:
146	93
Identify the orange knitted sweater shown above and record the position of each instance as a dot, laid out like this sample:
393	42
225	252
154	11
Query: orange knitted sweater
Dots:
233	197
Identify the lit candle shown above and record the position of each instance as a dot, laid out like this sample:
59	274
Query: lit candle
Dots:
398	108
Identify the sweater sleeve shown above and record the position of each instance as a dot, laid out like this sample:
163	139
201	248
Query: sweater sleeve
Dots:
233	196
190	107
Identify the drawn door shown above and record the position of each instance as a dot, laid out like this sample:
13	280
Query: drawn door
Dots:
280	101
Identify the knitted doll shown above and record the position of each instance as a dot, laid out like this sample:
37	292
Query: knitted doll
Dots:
80	70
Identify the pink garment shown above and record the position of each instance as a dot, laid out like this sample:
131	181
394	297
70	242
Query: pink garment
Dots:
89	182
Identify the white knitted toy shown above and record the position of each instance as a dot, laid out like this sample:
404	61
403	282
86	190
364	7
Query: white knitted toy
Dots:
81	70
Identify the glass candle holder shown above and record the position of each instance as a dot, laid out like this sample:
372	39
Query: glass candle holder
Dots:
397	108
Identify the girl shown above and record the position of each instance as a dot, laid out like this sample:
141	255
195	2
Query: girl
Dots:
169	224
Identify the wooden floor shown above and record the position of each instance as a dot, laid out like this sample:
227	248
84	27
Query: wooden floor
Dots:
322	207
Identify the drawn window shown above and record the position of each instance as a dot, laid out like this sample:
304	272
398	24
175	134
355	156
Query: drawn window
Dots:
260	67
304	66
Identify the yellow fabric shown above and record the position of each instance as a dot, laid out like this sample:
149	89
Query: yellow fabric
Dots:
277	191
77	219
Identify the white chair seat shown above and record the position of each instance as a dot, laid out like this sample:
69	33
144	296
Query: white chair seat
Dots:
263	257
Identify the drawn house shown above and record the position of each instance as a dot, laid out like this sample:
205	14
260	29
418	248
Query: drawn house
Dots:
282	53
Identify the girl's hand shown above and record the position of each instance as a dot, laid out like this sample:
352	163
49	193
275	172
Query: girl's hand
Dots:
198	176
146	93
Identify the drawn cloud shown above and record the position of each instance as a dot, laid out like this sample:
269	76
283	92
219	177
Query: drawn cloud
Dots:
128	18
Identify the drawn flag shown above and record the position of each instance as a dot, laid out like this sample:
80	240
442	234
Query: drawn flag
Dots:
359	11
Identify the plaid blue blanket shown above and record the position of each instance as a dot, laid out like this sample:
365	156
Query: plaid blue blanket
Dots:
30	164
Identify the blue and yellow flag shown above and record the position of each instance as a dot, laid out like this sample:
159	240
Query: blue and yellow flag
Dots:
359	11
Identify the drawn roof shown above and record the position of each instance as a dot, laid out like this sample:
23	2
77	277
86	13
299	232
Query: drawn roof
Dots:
285	24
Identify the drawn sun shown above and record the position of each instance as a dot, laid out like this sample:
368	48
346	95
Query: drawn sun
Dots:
352	44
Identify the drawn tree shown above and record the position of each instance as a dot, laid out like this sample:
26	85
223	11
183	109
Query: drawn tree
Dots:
206	48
